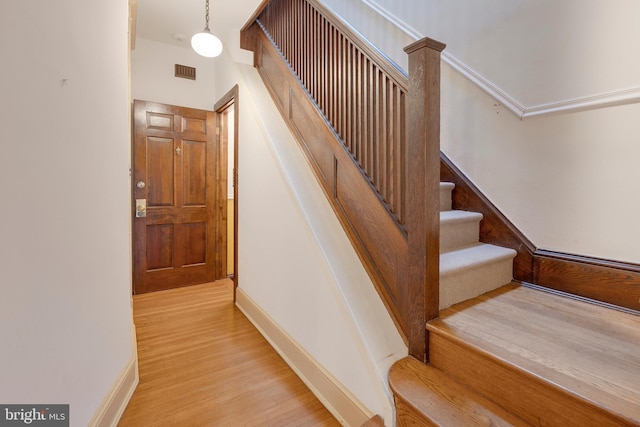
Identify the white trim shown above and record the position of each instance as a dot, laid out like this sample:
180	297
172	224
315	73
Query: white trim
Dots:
609	99
409	30
590	102
494	91
114	403
347	409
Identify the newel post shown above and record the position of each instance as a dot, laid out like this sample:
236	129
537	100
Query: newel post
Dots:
421	291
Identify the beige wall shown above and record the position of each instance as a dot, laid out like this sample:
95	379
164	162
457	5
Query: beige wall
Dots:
230	236
152	79
65	257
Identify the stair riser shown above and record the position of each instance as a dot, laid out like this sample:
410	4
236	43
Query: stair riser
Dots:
445	198
457	235
407	416
531	398
462	285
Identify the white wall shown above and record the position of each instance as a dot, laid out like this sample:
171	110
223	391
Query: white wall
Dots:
65	313
568	181
230	153
295	260
153	75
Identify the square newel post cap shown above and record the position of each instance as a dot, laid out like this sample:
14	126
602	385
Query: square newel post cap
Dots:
425	43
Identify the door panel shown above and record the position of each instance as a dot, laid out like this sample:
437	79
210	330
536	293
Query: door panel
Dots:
175	162
195	243
194	173
159	246
160	175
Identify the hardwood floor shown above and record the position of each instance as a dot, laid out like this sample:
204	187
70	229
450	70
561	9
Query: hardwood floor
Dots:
550	359
202	363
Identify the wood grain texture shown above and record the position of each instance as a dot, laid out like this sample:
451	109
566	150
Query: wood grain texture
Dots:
426	396
423	190
376	421
334	80
202	363
182	171
611	282
378	238
552	360
347	106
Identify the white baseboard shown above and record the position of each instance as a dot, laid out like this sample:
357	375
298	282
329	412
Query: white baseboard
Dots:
333	395
114	403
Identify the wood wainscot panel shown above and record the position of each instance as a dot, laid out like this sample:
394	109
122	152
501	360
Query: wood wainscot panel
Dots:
610	282
273	70
374	227
375	233
306	122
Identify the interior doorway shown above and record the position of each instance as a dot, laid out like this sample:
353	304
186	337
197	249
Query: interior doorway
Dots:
179	189
227	113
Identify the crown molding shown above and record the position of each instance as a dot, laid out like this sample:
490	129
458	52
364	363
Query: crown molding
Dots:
590	102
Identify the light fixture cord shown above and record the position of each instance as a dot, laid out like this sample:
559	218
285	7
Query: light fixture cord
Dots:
206	7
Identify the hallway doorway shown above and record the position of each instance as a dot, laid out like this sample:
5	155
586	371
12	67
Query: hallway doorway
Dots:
179	188
227	113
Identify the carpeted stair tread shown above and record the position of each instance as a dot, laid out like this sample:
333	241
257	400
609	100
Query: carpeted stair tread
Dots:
458	229
472	257
458	216
445	195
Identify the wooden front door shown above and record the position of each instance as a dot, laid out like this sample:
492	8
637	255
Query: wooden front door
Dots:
179	224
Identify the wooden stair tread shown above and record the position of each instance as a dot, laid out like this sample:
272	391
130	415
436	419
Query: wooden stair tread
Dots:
586	350
427	395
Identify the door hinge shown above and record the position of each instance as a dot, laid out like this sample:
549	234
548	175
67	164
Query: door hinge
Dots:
217	131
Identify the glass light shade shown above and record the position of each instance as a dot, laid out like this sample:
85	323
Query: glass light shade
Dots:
206	44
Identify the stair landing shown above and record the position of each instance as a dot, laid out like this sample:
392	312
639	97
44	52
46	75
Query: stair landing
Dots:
549	359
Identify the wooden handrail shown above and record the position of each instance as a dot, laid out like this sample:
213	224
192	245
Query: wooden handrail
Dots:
360	94
376	159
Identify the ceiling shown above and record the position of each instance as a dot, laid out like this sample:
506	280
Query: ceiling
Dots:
159	20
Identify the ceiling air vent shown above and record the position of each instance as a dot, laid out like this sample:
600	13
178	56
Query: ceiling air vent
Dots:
185	72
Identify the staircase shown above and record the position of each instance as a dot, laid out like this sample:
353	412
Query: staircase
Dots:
499	353
508	355
468	268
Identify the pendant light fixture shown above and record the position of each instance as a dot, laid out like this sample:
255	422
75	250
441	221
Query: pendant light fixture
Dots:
205	43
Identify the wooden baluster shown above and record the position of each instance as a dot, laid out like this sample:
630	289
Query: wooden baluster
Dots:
331	54
401	149
368	113
382	130
350	101
357	140
392	134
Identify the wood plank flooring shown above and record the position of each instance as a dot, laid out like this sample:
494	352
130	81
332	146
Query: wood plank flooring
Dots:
585	349
202	363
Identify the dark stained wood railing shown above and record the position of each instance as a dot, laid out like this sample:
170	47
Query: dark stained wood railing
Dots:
361	95
372	137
